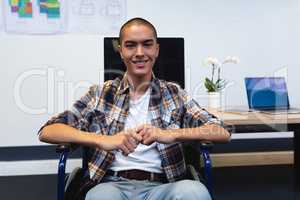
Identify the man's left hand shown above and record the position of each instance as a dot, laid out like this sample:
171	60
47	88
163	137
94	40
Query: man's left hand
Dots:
152	134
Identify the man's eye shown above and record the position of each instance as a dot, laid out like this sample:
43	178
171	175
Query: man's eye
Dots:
130	45
148	44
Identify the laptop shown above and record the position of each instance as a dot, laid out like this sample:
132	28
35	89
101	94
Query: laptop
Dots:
268	95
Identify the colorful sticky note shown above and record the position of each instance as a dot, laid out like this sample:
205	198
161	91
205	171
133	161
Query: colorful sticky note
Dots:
14	5
50	7
25	9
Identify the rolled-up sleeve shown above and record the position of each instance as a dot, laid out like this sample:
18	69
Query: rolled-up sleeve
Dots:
75	117
194	115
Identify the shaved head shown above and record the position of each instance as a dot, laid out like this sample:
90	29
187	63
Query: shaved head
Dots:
136	21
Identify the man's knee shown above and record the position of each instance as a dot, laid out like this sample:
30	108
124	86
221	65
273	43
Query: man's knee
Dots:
104	191
190	190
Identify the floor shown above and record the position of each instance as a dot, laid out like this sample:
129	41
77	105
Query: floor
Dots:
239	183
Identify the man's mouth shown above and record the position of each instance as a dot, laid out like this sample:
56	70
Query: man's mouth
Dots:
139	62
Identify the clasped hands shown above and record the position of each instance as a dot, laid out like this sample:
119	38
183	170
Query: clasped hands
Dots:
127	140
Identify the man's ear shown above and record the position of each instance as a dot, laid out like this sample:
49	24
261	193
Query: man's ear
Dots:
120	51
157	50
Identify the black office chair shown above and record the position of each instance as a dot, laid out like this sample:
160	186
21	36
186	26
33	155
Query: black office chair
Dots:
67	184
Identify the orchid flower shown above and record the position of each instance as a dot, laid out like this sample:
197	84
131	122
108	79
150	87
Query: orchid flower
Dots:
219	84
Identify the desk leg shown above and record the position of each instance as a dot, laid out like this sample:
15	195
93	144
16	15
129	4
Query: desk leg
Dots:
297	162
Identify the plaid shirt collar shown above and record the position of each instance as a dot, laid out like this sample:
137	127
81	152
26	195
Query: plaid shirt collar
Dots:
125	85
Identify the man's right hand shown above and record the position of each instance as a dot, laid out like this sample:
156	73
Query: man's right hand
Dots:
126	141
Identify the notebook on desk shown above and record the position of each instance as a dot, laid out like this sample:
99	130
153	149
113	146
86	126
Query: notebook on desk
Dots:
268	95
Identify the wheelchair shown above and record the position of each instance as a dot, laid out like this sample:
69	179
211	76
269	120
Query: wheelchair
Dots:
197	157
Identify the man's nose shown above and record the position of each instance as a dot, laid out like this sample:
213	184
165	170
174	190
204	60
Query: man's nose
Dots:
140	50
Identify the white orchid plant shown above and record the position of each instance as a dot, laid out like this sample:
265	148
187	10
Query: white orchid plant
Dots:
215	83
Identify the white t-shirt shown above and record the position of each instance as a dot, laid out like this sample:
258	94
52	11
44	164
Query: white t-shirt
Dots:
144	157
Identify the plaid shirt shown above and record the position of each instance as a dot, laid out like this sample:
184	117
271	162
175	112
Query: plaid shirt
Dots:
103	110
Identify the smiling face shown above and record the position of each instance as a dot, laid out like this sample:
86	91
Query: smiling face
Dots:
139	50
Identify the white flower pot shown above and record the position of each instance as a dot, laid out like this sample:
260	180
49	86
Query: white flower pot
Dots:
214	99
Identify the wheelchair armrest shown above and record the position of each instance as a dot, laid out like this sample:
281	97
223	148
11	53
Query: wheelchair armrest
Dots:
63	150
60	148
205	148
206	145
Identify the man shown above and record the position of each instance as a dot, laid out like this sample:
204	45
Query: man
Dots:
134	126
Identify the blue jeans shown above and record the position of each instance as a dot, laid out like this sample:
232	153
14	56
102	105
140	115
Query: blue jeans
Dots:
117	188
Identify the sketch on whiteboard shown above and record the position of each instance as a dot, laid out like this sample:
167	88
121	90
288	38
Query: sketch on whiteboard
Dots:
96	16
35	16
23	8
85	8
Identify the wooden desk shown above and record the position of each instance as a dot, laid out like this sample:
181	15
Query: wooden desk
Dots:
247	122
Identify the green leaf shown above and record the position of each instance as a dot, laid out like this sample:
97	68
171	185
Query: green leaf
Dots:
210	86
220	84
214	86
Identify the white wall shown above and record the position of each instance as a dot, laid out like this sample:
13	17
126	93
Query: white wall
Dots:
264	34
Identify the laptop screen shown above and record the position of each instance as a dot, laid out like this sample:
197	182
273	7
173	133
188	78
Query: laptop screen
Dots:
267	93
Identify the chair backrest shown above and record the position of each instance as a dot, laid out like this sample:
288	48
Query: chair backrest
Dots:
169	65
